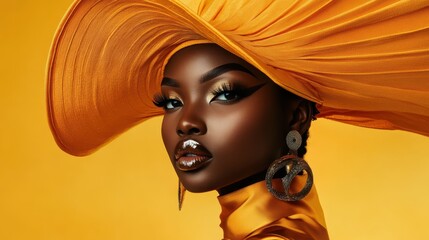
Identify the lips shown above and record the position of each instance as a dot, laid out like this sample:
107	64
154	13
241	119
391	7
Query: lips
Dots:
191	155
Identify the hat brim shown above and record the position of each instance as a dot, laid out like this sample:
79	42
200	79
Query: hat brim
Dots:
107	60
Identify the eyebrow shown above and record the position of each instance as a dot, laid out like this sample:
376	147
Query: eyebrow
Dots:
169	82
210	75
217	71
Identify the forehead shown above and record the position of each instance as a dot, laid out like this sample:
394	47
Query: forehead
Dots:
199	59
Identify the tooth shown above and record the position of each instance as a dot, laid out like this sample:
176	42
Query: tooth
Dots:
193	144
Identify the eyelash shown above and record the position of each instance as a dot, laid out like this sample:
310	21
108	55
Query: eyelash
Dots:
160	100
239	91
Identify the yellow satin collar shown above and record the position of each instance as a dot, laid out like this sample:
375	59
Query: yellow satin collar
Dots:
253	213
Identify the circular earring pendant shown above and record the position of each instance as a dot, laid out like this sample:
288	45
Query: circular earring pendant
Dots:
293	140
293	166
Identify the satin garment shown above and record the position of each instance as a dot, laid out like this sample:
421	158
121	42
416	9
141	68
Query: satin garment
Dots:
253	213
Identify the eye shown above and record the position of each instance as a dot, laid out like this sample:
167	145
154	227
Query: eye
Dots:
172	104
161	100
226	96
227	93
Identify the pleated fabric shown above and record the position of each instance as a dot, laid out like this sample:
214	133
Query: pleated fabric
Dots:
363	62
252	213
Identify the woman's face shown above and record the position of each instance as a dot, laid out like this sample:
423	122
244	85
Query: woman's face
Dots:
224	120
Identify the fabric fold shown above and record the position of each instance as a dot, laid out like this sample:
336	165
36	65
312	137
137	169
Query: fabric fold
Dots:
364	63
253	213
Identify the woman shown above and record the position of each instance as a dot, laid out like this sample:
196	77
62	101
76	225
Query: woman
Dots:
236	121
226	114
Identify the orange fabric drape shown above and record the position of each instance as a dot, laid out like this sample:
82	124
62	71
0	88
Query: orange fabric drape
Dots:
364	62
253	213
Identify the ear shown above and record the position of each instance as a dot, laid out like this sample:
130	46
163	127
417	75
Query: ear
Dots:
302	116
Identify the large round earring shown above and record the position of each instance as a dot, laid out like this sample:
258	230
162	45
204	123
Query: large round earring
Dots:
181	194
293	165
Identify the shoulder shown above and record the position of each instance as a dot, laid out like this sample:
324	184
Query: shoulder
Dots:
286	229
268	237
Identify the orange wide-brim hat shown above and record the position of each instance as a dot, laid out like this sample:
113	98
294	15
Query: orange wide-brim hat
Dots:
363	62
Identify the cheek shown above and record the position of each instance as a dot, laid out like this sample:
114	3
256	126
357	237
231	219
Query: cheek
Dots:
250	132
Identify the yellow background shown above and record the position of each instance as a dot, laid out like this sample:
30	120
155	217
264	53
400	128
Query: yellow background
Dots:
373	184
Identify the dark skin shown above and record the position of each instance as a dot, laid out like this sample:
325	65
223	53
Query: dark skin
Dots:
232	109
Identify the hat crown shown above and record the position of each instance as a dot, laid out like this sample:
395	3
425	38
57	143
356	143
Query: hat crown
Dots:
364	62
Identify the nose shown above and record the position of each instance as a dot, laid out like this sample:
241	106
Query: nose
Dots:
191	123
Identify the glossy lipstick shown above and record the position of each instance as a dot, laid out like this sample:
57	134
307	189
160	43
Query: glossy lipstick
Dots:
191	155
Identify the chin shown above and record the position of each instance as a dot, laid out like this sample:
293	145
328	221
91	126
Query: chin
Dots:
198	182
199	187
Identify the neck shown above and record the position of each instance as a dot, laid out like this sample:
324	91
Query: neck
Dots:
242	183
248	181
